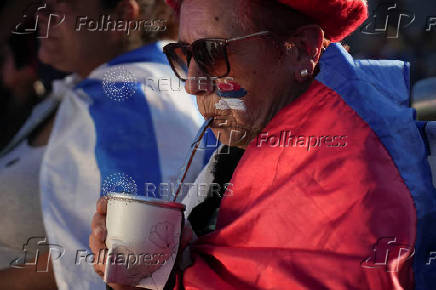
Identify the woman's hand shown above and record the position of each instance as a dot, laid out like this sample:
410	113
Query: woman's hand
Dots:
97	239
98	233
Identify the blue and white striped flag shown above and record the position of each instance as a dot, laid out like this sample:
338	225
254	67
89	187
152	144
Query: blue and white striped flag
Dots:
127	125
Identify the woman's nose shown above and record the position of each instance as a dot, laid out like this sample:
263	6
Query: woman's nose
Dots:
198	82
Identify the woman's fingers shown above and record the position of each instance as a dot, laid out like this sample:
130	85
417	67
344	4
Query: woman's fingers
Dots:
97	241
102	205
98	247
98	226
98	235
99	271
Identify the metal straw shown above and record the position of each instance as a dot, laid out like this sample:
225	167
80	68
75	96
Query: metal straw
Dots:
194	148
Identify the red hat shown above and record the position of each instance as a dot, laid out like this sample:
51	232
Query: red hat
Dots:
338	18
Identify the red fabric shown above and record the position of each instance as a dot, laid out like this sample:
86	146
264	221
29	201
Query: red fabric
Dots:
173	4
338	18
307	219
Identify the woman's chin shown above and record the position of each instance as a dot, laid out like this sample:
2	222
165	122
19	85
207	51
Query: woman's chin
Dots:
45	56
48	55
233	136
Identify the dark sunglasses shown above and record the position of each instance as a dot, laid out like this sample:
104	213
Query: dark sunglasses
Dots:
209	53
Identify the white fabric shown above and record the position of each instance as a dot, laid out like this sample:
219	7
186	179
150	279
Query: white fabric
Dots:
70	183
21	216
195	196
70	177
169	111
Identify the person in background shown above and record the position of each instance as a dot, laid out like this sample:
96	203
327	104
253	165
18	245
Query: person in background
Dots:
22	123
115	129
334	189
19	75
424	101
28	82
11	11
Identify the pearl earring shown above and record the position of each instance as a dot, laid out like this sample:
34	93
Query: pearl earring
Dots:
304	73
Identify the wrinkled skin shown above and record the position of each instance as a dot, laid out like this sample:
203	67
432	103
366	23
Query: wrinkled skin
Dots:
257	64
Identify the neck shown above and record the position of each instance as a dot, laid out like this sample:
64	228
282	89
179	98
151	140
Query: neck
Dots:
287	99
301	90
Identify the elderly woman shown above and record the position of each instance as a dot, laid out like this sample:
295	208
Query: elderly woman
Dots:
333	190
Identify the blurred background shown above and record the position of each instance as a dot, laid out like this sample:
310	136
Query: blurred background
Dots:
398	30
402	29
24	80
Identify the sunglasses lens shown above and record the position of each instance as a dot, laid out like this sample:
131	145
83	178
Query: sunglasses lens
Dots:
210	56
177	56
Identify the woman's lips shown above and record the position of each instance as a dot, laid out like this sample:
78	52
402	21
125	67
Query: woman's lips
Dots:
230	90
228	86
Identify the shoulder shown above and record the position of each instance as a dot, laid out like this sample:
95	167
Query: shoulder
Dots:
319	146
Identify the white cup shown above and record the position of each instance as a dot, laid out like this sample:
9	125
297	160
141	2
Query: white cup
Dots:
143	240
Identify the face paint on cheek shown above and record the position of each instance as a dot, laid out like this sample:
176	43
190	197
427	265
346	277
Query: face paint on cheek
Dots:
231	104
230	90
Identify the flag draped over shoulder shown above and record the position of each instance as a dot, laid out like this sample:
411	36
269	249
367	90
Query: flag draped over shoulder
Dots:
336	193
126	128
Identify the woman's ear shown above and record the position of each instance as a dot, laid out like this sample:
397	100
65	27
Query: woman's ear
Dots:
306	46
127	10
311	40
